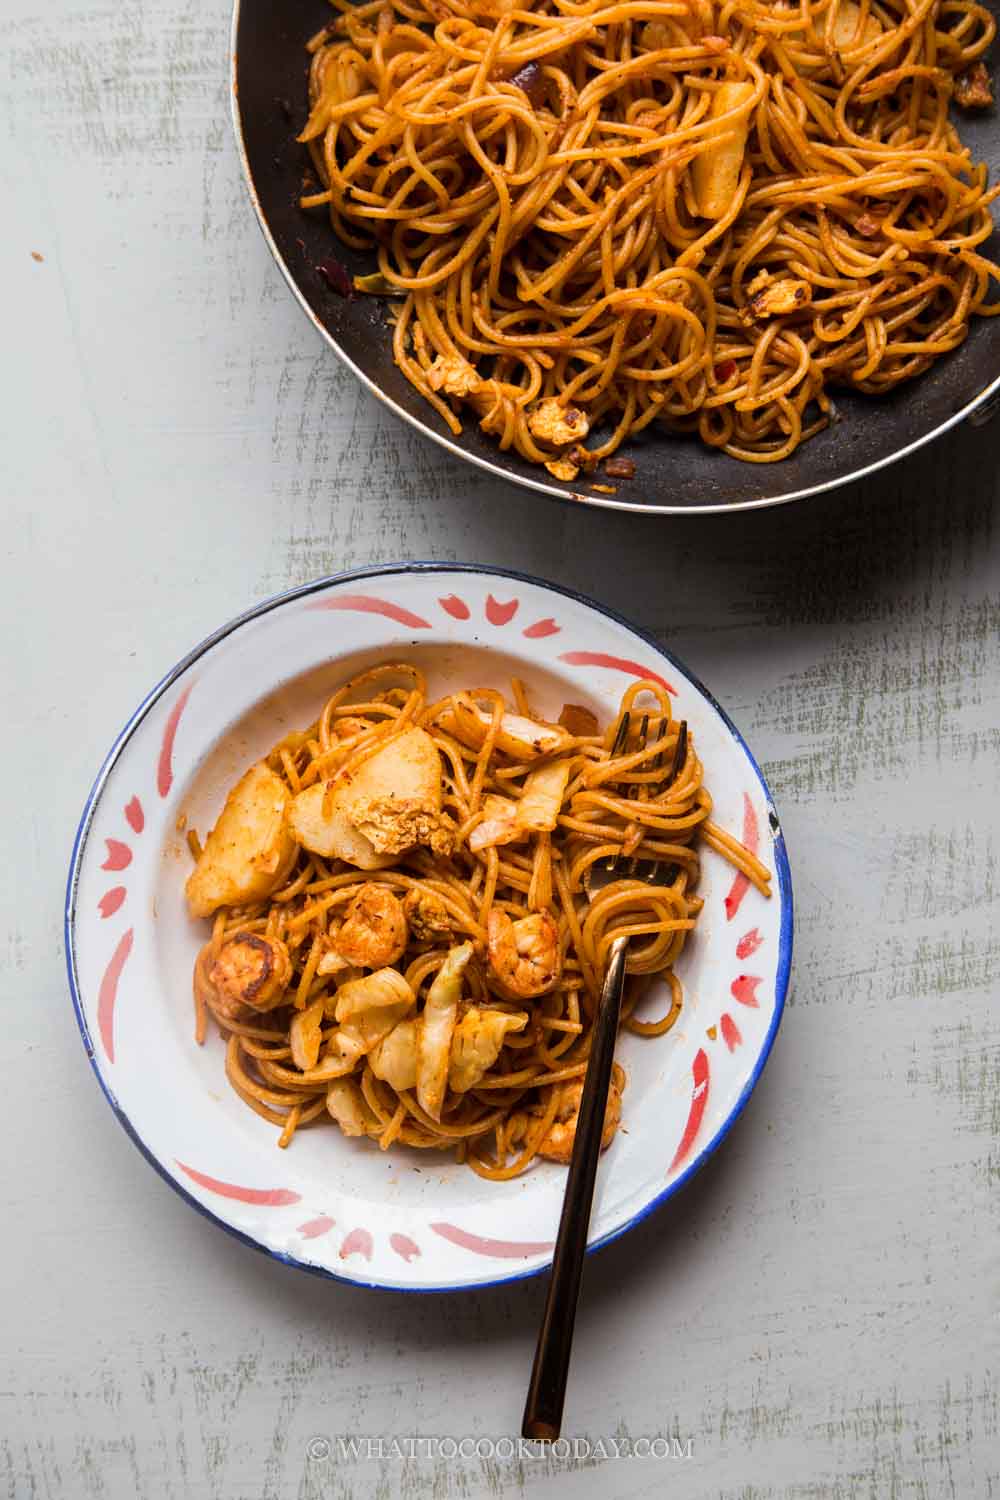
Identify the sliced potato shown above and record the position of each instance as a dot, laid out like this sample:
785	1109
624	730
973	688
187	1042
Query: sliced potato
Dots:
407	772
716	172
250	850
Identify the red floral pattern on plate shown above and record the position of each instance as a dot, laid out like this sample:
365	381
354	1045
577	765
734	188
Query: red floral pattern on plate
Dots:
617	664
134	815
454	606
744	989
751	840
501	614
541	629
358	1242
119	855
730	1031
111	901
107	995
748	943
699	1098
165	764
367	604
484	1245
261	1197
313	1228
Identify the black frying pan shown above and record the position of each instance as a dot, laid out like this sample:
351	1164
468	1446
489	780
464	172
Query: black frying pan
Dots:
673	474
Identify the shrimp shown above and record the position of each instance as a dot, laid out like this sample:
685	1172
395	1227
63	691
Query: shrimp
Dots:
426	914
374	934
249	970
525	956
557	1142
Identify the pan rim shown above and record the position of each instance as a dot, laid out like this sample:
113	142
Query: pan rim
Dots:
597	502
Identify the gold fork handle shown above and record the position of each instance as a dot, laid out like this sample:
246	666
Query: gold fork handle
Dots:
547	1390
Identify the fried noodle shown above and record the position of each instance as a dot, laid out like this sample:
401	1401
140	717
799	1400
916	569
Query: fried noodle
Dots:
632	791
701	214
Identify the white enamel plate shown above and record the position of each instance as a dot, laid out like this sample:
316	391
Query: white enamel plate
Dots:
341	1207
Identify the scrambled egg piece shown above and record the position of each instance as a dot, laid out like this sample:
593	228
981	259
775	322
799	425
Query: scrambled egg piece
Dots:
771	299
974	87
551	422
453	375
561	468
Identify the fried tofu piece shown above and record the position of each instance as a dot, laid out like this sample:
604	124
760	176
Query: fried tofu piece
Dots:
250	850
389	804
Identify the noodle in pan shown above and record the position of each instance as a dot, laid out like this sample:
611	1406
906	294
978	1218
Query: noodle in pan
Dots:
703	214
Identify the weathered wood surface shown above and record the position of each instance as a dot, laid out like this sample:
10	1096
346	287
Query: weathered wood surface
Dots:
817	1312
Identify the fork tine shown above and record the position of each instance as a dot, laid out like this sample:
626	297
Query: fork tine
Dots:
636	791
680	752
618	745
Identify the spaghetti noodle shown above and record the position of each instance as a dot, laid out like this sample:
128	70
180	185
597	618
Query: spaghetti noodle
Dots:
698	213
402	936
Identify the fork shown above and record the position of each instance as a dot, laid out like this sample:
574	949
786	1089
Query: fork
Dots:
547	1389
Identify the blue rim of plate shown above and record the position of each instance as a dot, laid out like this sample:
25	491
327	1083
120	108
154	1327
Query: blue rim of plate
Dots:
782	869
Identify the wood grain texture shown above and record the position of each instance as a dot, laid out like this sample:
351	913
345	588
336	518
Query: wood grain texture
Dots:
817	1312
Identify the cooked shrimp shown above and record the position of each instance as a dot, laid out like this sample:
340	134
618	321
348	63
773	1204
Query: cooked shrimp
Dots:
249	969
427	915
557	1142
525	956
374	933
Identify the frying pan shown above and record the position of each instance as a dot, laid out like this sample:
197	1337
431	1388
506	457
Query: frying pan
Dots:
673	474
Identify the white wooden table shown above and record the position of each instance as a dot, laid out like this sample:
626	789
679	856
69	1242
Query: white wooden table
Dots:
817	1313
